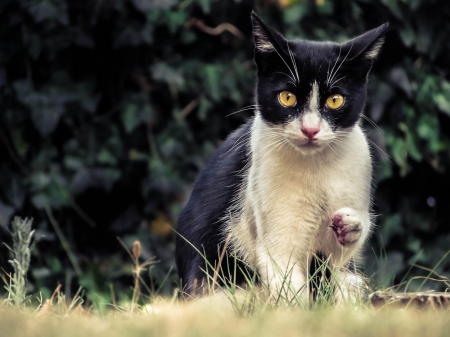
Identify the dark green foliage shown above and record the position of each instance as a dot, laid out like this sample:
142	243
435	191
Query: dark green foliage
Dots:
110	108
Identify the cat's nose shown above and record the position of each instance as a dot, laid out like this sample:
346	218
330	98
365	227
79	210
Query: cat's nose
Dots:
310	132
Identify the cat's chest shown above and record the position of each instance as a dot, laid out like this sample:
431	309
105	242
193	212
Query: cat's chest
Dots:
288	184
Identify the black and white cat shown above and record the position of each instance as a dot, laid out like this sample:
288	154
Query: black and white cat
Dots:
295	180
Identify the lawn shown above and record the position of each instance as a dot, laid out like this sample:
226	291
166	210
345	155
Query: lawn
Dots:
216	318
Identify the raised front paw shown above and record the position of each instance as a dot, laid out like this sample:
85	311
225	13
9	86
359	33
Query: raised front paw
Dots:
347	226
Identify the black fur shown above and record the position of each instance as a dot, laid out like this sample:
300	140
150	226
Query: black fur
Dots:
200	223
314	62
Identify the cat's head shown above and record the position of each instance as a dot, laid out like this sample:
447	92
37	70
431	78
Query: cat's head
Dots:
312	92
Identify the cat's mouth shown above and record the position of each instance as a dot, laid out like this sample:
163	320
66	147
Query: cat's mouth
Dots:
307	143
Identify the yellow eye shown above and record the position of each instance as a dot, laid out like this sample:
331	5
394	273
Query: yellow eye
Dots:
287	99
335	101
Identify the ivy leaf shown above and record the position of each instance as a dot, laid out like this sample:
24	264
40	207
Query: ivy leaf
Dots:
212	81
443	103
161	71
42	10
136	110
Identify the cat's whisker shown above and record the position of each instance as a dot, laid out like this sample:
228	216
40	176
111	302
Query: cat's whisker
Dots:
290	77
244	139
244	136
293	62
331	148
293	76
337	70
271	147
328	72
381	151
342	135
339	141
334	82
332	69
250	107
333	85
280	144
372	123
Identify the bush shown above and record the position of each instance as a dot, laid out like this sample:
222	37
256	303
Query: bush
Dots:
111	108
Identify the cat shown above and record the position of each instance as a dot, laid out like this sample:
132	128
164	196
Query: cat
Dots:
295	180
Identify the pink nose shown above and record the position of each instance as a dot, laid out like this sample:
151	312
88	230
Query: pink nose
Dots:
310	132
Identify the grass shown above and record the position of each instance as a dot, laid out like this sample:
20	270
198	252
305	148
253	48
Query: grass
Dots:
22	245
231	311
214	319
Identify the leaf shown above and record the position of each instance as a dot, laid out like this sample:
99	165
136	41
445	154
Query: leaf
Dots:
383	171
325	7
161	71
203	108
212	81
407	35
443	102
175	20
294	14
35	46
393	7
411	146
42	10
45	112
399	152
391	226
205	5
442	99
20	145
147	5
129	37
106	157
382	96
136	110
85	179
130	117
400	79
48	105
428	127
147	32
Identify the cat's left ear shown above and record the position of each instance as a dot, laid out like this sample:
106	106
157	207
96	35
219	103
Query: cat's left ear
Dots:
365	48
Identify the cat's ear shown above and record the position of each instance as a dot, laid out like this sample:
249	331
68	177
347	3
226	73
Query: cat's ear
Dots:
367	45
268	43
363	49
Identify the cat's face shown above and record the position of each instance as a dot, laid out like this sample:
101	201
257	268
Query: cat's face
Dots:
312	92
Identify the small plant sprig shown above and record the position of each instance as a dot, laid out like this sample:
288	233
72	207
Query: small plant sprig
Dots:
138	268
21	251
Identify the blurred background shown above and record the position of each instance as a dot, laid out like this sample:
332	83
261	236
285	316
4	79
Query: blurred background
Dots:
109	109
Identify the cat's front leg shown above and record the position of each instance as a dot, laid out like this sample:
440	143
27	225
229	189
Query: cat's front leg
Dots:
348	230
282	274
351	288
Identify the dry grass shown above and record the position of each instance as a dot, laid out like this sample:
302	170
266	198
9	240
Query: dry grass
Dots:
217	318
246	313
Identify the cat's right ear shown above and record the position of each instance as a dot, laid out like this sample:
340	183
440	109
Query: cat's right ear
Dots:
268	42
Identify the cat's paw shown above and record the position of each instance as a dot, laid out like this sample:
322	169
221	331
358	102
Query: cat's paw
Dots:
347	226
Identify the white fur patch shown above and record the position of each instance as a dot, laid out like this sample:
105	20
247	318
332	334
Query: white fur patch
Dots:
261	42
373	52
283	213
314	97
